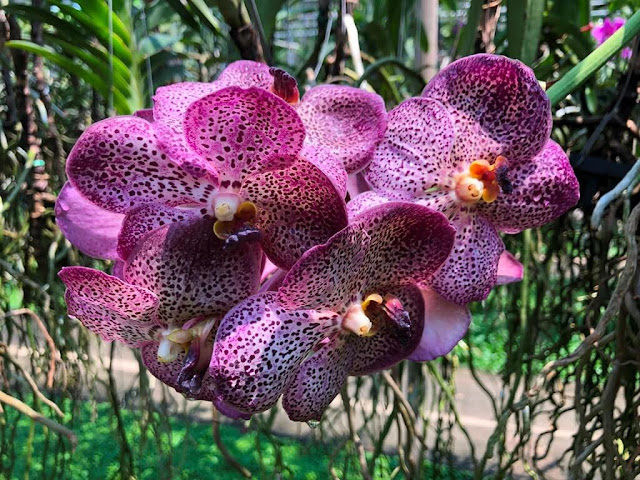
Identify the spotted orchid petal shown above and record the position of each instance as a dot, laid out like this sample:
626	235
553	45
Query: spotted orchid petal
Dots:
395	340
415	154
328	164
167	373
445	323
363	202
298	208
118	164
319	379
543	189
191	272
143	219
243	132
509	269
245	74
258	348
93	230
408	243
110	307
145	114
346	120
496	106
471	270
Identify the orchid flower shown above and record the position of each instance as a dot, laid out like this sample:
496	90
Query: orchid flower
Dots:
475	147
349	307
174	288
602	30
234	155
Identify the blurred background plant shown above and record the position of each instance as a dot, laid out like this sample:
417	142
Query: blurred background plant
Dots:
555	357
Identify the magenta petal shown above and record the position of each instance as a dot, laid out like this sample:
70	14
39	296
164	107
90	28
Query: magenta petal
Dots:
143	219
393	342
497	108
319	379
243	132
298	208
109	307
168	373
509	269
330	165
415	154
245	74
258	348
146	114
348	121
408	243
471	270
445	323
543	189
91	229
327	276
118	164
191	272
363	202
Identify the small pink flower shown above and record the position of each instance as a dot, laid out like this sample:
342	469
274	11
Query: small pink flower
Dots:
602	30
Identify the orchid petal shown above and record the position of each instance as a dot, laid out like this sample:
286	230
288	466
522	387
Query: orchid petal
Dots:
319	379
245	74
143	219
91	229
415	153
168	373
363	202
243	132
510	270
328	164
445	324
393	342
543	189
191	272
298	208
471	270
145	114
497	107
258	348
346	120
118	164
109	307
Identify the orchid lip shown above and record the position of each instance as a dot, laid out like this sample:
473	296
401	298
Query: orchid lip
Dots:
483	181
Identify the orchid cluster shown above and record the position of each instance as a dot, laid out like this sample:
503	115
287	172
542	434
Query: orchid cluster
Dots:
241	273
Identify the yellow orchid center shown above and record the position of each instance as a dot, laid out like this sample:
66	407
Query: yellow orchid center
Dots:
175	340
483	181
233	217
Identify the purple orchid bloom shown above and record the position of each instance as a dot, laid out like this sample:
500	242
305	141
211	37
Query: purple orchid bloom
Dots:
235	155
349	307
173	289
602	30
476	147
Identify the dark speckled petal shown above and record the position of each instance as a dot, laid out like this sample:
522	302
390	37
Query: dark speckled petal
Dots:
543	190
143	219
259	347
118	164
471	270
363	202
327	276
415	153
445	323
330	165
109	307
393	342
186	266
319	379
346	120
243	132
497	108
408	243
298	208
245	74
168	373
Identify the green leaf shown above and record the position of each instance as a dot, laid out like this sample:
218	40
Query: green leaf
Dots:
204	12
268	11
186	16
99	10
587	67
524	24
470	30
73	68
155	43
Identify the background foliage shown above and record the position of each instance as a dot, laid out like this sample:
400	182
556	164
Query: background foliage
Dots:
563	343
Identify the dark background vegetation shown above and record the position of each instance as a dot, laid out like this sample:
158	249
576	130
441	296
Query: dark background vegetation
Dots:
562	343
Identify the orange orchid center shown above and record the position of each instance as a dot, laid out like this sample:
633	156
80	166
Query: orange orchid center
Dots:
483	181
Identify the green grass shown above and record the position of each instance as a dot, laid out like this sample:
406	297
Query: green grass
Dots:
179	449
